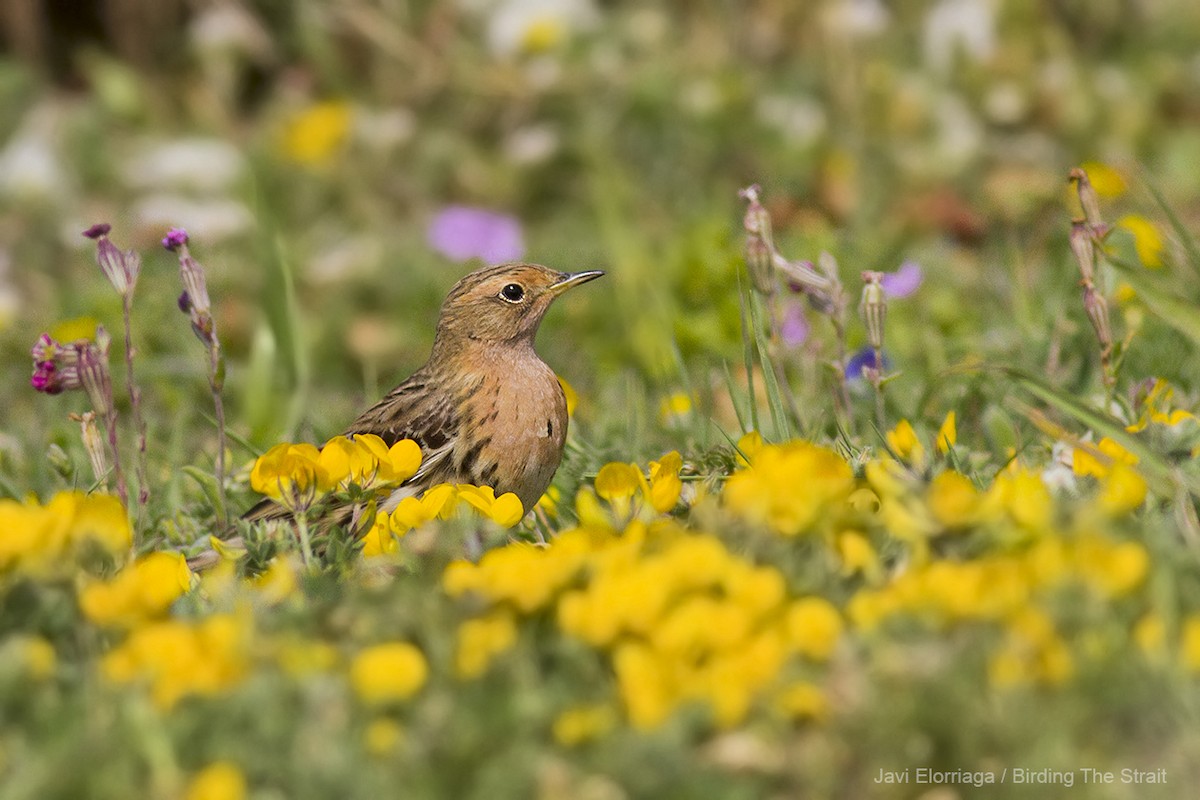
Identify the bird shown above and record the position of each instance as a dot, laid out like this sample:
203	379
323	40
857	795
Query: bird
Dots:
484	409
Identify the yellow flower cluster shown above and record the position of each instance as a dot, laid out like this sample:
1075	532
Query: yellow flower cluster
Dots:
625	486
39	539
684	619
316	134
141	591
440	502
296	474
790	487
177	658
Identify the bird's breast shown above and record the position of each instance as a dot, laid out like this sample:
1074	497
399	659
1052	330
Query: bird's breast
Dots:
518	427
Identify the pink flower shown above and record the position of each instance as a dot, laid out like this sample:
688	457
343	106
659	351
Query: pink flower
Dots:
462	232
903	281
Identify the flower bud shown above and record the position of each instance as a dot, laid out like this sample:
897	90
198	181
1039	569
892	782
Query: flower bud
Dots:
122	268
801	276
872	307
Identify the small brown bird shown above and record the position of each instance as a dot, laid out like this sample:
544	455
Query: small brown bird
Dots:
485	409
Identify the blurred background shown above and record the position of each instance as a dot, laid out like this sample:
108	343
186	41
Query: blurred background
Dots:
340	164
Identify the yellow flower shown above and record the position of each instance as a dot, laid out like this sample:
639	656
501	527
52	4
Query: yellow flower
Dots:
1123	490
505	510
70	330
292	474
582	724
313	136
1150	634
381	737
388	672
221	780
904	443
412	512
748	446
1107	182
542	33
953	499
665	485
1189	643
675	407
179	658
570	395
947	435
789	487
814	627
1147	240
803	700
857	555
36	655
617	482
277	582
644	686
1098	463
481	640
1114	569
1022	496
394	464
381	538
143	590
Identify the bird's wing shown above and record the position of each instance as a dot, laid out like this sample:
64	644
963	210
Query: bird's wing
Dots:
412	411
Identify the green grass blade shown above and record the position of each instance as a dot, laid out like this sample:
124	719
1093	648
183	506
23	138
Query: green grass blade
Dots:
1184	235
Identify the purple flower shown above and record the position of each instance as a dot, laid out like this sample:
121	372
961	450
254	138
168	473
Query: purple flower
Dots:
461	233
794	328
903	281
863	359
98	230
175	238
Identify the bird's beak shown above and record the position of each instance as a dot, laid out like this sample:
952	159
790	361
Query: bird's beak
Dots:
573	279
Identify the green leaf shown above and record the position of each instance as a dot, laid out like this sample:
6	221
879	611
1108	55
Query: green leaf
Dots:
208	485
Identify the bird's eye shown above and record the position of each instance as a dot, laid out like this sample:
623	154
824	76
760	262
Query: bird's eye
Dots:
512	293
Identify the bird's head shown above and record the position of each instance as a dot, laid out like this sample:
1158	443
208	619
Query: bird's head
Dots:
503	303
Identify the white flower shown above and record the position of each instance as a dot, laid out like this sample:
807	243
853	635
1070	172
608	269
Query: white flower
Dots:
194	163
30	165
857	19
206	220
533	26
952	26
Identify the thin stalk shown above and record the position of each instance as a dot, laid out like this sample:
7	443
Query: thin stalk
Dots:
214	383
110	421
879	414
305	543
135	402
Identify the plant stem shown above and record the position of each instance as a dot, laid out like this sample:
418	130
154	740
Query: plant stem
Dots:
110	421
879	415
135	402
305	543
214	383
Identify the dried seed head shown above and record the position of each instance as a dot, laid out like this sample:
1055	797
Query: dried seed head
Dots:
801	276
1088	198
1083	246
93	443
760	265
93	371
1097	310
